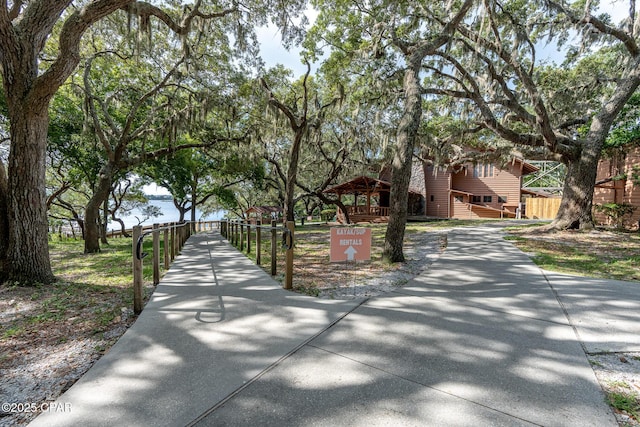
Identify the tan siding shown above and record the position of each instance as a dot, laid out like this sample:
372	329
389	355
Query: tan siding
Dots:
618	191
460	210
631	191
437	187
503	183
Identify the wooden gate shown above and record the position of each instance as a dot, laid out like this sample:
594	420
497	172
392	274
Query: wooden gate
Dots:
541	208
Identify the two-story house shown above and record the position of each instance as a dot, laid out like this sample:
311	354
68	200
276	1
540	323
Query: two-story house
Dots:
463	192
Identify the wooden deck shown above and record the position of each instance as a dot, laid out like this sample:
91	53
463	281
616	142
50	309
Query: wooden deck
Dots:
376	214
365	214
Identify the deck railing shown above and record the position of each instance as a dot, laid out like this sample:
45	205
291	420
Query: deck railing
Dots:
372	210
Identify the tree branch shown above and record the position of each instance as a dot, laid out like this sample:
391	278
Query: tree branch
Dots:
627	39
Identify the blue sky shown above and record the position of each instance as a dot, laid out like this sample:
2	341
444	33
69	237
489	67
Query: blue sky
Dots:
274	53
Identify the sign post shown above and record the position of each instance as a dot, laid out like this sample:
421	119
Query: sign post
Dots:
350	244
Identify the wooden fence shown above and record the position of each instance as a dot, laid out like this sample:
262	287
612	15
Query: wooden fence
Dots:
542	208
174	237
239	233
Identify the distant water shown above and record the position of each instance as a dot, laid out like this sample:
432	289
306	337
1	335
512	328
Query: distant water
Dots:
169	214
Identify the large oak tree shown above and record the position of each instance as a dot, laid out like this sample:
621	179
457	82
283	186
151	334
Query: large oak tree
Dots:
29	84
562	113
390	40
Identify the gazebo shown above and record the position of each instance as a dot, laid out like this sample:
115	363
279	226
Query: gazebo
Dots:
368	187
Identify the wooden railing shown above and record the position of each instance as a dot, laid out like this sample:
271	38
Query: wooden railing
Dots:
239	233
196	227
174	237
372	210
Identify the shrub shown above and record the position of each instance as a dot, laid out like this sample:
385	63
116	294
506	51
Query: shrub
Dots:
616	212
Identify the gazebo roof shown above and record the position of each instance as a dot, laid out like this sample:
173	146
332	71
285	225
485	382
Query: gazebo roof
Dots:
264	209
361	185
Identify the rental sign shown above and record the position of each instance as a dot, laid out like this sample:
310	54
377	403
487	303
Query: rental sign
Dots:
350	244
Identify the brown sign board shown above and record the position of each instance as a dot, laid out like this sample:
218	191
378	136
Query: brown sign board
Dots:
350	244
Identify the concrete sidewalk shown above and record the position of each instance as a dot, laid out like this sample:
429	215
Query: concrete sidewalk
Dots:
214	324
481	338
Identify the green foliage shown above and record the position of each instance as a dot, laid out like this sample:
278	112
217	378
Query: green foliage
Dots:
628	402
582	86
616	212
328	214
614	258
635	175
626	131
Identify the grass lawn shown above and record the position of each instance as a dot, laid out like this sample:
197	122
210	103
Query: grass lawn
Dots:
313	270
93	294
603	253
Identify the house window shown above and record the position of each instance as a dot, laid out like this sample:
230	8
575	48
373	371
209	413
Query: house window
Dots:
484	170
475	199
431	198
488	170
486	199
502	199
458	199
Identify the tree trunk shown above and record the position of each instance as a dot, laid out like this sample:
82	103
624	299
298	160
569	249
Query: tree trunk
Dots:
401	165
92	213
292	173
104	222
4	223
27	256
194	194
344	210
575	210
123	228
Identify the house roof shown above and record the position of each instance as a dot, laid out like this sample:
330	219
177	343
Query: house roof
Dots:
534	193
454	191
528	168
361	185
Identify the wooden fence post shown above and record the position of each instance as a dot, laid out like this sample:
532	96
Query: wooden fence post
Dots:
137	272
173	241
248	237
241	236
258	242
288	271
166	247
156	254
273	247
